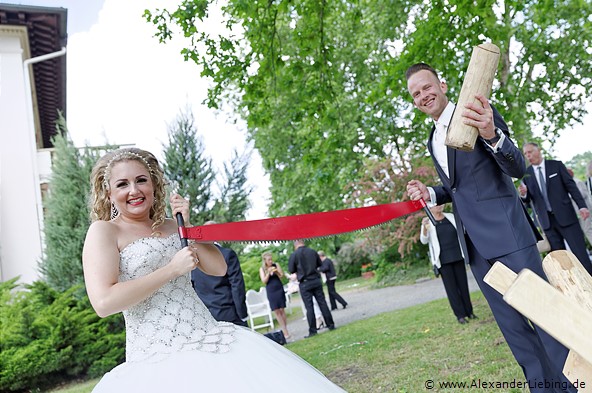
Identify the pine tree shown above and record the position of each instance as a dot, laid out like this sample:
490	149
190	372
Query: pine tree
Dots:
187	168
234	198
66	213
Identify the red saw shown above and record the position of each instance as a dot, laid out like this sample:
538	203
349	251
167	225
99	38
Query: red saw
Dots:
303	226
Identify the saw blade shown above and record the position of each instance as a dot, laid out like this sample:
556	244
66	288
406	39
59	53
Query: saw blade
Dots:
303	226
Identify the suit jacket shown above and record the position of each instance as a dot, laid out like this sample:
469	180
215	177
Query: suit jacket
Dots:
560	185
224	296
432	240
328	268
486	204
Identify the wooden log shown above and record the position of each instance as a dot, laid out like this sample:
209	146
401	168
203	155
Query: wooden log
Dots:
552	311
578	369
478	80
500	277
566	273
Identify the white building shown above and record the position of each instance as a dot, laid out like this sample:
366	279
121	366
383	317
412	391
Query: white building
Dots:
32	91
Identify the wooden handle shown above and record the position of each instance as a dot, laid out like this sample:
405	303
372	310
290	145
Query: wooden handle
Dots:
478	80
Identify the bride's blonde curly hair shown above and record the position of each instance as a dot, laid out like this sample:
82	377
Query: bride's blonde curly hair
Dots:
100	205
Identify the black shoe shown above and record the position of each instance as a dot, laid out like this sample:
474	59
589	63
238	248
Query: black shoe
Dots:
332	327
310	335
473	316
333	309
462	321
344	306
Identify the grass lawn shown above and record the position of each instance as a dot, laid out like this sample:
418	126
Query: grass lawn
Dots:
399	351
402	350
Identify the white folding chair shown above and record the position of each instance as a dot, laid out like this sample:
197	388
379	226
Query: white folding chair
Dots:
258	306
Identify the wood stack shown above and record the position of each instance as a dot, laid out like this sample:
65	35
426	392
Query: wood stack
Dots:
562	306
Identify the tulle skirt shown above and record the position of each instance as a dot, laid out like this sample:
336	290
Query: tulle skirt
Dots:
254	364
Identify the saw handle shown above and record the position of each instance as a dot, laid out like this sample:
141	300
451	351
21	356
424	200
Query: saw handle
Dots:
427	210
181	225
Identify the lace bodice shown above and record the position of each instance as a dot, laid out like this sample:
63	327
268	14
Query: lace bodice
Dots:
172	319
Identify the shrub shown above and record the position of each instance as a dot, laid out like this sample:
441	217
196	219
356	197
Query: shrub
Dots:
48	336
351	257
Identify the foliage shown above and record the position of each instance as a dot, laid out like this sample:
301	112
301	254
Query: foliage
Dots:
234	196
49	336
186	167
351	257
66	213
191	174
385	181
392	268
322	88
579	164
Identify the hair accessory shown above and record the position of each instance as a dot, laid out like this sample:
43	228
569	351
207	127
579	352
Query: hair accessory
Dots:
118	157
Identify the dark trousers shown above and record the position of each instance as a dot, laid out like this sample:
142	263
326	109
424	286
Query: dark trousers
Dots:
540	355
454	278
308	290
575	238
334	297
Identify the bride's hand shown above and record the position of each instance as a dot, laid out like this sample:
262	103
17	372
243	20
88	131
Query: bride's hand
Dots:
184	261
180	205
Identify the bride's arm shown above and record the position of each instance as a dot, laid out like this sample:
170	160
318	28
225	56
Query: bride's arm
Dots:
100	260
211	260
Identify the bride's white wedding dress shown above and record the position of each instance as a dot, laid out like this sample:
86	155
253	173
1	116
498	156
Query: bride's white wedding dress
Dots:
175	345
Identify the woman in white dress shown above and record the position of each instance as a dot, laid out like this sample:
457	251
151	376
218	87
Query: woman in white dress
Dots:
133	263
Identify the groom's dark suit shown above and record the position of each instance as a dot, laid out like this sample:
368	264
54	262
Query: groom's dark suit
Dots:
493	225
562	222
224	296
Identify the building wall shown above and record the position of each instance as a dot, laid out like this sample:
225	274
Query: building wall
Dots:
20	218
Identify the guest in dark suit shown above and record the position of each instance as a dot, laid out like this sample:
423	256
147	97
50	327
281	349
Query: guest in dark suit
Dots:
224	296
304	262
549	186
328	268
492	222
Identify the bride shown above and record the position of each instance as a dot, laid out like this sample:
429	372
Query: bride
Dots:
133	263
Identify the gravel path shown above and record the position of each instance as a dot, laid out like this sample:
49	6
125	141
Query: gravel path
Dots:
366	303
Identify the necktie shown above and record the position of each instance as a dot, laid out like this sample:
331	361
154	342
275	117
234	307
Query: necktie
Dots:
439	147
543	186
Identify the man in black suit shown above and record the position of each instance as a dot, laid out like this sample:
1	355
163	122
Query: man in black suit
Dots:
305	262
328	268
549	186
492	222
224	296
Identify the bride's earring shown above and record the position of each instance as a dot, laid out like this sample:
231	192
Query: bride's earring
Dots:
114	211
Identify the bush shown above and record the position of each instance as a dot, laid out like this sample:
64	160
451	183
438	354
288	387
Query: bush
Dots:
393	269
48	336
351	257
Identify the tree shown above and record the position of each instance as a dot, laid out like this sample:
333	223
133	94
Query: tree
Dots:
321	84
187	167
579	164
66	212
234	195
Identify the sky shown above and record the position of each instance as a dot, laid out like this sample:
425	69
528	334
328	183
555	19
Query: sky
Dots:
123	87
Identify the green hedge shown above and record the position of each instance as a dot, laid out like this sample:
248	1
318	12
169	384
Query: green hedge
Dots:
48	337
